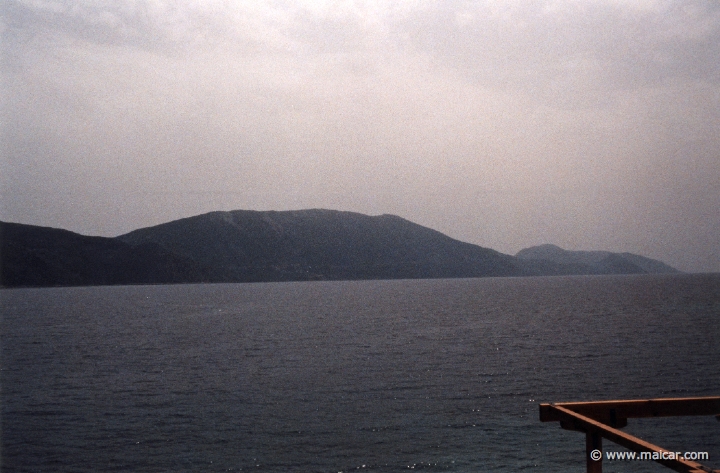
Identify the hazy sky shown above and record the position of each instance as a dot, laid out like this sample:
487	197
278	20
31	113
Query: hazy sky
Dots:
587	124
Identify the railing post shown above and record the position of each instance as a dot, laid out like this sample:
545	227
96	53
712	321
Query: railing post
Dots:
593	443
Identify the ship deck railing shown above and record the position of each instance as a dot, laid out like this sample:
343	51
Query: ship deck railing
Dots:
604	419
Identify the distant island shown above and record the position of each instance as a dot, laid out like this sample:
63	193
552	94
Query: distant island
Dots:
272	246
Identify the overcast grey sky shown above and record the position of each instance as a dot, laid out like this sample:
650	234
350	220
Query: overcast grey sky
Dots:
590	124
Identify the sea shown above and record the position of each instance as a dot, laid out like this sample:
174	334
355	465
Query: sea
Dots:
441	375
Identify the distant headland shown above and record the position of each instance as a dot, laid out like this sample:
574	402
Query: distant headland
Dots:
271	246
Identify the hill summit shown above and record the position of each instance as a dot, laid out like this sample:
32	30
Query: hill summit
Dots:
248	245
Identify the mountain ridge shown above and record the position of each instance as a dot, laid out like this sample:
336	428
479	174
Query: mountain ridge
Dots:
267	246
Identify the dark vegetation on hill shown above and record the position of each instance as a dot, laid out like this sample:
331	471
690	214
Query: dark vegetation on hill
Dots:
252	246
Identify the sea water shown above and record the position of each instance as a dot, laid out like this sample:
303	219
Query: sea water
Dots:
371	376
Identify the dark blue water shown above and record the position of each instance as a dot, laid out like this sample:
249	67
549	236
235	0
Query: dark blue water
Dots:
381	376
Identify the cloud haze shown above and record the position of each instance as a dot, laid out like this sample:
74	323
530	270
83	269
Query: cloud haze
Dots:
590	125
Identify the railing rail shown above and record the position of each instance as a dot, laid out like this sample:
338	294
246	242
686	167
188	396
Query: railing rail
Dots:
603	419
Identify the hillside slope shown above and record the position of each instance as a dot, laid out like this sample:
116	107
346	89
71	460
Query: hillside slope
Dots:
42	256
